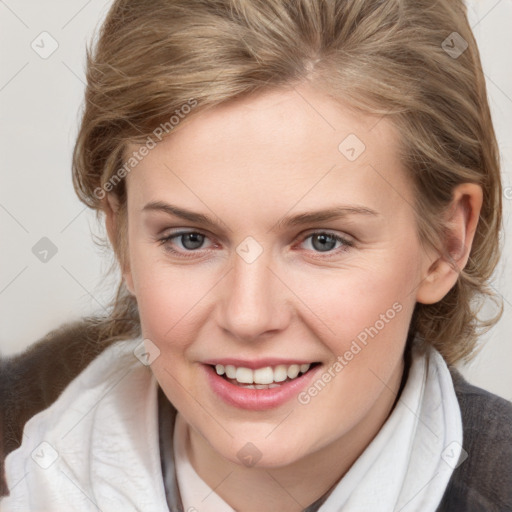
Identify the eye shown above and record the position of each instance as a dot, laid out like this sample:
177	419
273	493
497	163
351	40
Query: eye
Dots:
325	242
187	241
190	242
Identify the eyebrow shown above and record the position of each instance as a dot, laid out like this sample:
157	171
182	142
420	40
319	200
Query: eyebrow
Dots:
334	213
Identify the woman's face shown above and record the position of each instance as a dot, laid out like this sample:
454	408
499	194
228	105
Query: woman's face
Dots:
292	242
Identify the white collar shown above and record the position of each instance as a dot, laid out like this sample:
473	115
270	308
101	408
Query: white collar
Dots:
409	463
195	493
97	446
421	442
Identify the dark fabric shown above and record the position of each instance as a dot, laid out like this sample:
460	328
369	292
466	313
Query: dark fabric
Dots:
166	419
32	380
482	483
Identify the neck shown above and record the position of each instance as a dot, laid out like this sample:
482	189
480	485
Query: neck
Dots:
294	486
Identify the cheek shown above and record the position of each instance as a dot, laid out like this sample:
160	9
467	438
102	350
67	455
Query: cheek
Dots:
349	300
368	311
168	298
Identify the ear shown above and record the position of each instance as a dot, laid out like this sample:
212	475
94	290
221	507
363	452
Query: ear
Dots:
440	276
112	223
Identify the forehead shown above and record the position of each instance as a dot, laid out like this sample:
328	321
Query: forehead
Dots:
291	143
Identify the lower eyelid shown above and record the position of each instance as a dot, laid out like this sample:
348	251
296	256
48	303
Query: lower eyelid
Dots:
346	242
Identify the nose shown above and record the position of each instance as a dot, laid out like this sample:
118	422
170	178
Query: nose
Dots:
255	301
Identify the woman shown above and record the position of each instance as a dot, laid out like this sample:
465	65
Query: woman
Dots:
305	202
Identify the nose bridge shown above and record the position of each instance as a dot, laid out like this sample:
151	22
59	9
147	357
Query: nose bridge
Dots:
253	302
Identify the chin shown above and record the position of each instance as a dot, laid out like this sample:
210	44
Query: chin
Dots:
260	452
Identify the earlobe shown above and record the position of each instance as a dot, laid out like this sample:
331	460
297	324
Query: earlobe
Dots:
437	282
462	219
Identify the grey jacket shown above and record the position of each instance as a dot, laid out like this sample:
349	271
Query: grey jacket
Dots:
482	483
31	381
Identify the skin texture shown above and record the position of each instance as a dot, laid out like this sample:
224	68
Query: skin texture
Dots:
248	164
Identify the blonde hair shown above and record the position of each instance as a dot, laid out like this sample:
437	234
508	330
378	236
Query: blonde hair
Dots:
396	59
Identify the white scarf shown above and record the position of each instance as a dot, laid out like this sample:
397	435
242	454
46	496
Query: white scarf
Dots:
97	446
405	468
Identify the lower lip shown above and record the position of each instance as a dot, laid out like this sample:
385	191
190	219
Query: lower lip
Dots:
258	399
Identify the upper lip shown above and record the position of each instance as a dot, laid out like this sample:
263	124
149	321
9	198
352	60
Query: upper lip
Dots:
254	364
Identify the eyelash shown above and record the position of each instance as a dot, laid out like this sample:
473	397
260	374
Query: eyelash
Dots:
347	244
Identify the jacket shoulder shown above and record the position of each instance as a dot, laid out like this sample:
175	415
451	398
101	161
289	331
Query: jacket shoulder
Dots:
32	381
483	481
102	424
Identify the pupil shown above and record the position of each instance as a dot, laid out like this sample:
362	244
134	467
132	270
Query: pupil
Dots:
327	242
192	240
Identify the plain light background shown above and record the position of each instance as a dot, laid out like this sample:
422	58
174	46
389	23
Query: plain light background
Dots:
40	104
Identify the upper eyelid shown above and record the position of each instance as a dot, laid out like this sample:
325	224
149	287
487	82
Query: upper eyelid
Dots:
348	239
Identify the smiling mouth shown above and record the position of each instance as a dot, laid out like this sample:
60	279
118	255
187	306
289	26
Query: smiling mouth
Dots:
262	378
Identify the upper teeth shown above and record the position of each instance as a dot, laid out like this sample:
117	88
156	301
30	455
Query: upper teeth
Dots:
265	375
